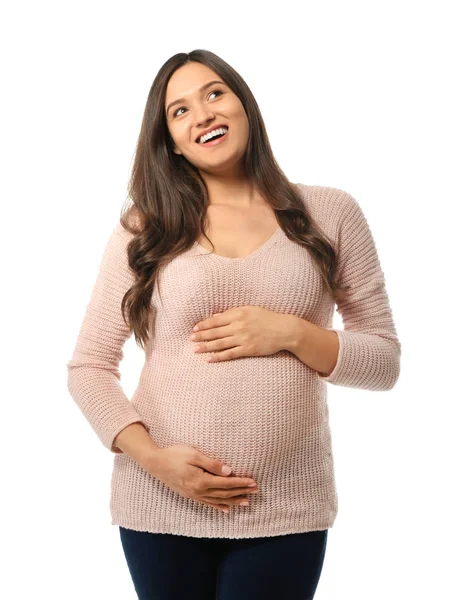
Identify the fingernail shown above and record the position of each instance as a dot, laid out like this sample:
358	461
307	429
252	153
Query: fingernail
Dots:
252	485
244	503
226	470
225	510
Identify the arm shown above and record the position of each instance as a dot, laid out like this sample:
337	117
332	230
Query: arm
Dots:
316	347
366	353
93	370
135	441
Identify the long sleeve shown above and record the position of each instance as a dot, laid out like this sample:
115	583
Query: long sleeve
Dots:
369	350
93	371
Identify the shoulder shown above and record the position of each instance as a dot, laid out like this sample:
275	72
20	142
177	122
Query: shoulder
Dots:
328	206
321	197
133	219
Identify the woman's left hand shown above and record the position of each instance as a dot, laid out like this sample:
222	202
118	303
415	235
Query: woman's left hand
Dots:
244	331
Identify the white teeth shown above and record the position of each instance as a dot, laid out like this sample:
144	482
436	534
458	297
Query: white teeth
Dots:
209	135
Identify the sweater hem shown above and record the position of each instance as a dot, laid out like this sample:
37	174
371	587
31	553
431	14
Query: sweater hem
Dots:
203	532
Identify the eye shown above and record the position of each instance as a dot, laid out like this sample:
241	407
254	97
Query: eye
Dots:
215	91
175	114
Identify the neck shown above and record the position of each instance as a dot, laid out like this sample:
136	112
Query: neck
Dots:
231	190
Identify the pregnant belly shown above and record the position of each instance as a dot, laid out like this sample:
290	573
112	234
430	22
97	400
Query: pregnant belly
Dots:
240	419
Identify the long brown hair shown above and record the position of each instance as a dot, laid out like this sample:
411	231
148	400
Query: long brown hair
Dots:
170	197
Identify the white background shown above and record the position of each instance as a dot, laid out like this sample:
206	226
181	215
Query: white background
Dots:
368	97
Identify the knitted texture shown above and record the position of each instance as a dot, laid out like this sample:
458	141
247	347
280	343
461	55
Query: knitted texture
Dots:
266	417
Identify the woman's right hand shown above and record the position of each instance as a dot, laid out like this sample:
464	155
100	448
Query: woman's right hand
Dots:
194	475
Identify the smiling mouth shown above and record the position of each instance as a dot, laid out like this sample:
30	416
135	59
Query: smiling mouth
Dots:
214	142
216	137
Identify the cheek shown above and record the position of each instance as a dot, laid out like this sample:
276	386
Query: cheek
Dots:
180	135
242	130
241	119
239	114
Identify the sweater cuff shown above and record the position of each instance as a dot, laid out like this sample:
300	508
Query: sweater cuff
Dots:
365	361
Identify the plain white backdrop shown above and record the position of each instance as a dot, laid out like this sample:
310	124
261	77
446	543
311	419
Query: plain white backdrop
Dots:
369	97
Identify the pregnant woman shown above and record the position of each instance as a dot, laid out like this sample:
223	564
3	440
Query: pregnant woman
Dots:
228	275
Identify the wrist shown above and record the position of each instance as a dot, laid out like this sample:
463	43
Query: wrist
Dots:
293	332
150	458
135	441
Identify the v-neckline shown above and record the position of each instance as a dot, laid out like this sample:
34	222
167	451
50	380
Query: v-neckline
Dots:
273	238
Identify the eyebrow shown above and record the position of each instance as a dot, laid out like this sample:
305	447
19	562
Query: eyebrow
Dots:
201	89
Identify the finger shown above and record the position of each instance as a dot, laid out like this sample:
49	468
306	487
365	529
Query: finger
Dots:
224	501
231	493
215	345
229	354
217	482
220	507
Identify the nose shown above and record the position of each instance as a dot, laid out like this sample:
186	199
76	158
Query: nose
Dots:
202	123
203	117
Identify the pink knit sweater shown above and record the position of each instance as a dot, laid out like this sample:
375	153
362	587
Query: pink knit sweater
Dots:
266	417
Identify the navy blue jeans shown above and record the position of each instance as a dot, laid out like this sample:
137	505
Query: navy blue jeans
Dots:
164	566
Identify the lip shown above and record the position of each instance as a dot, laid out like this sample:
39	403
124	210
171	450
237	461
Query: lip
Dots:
205	131
213	143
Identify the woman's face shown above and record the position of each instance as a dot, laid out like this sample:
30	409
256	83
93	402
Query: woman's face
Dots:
201	109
